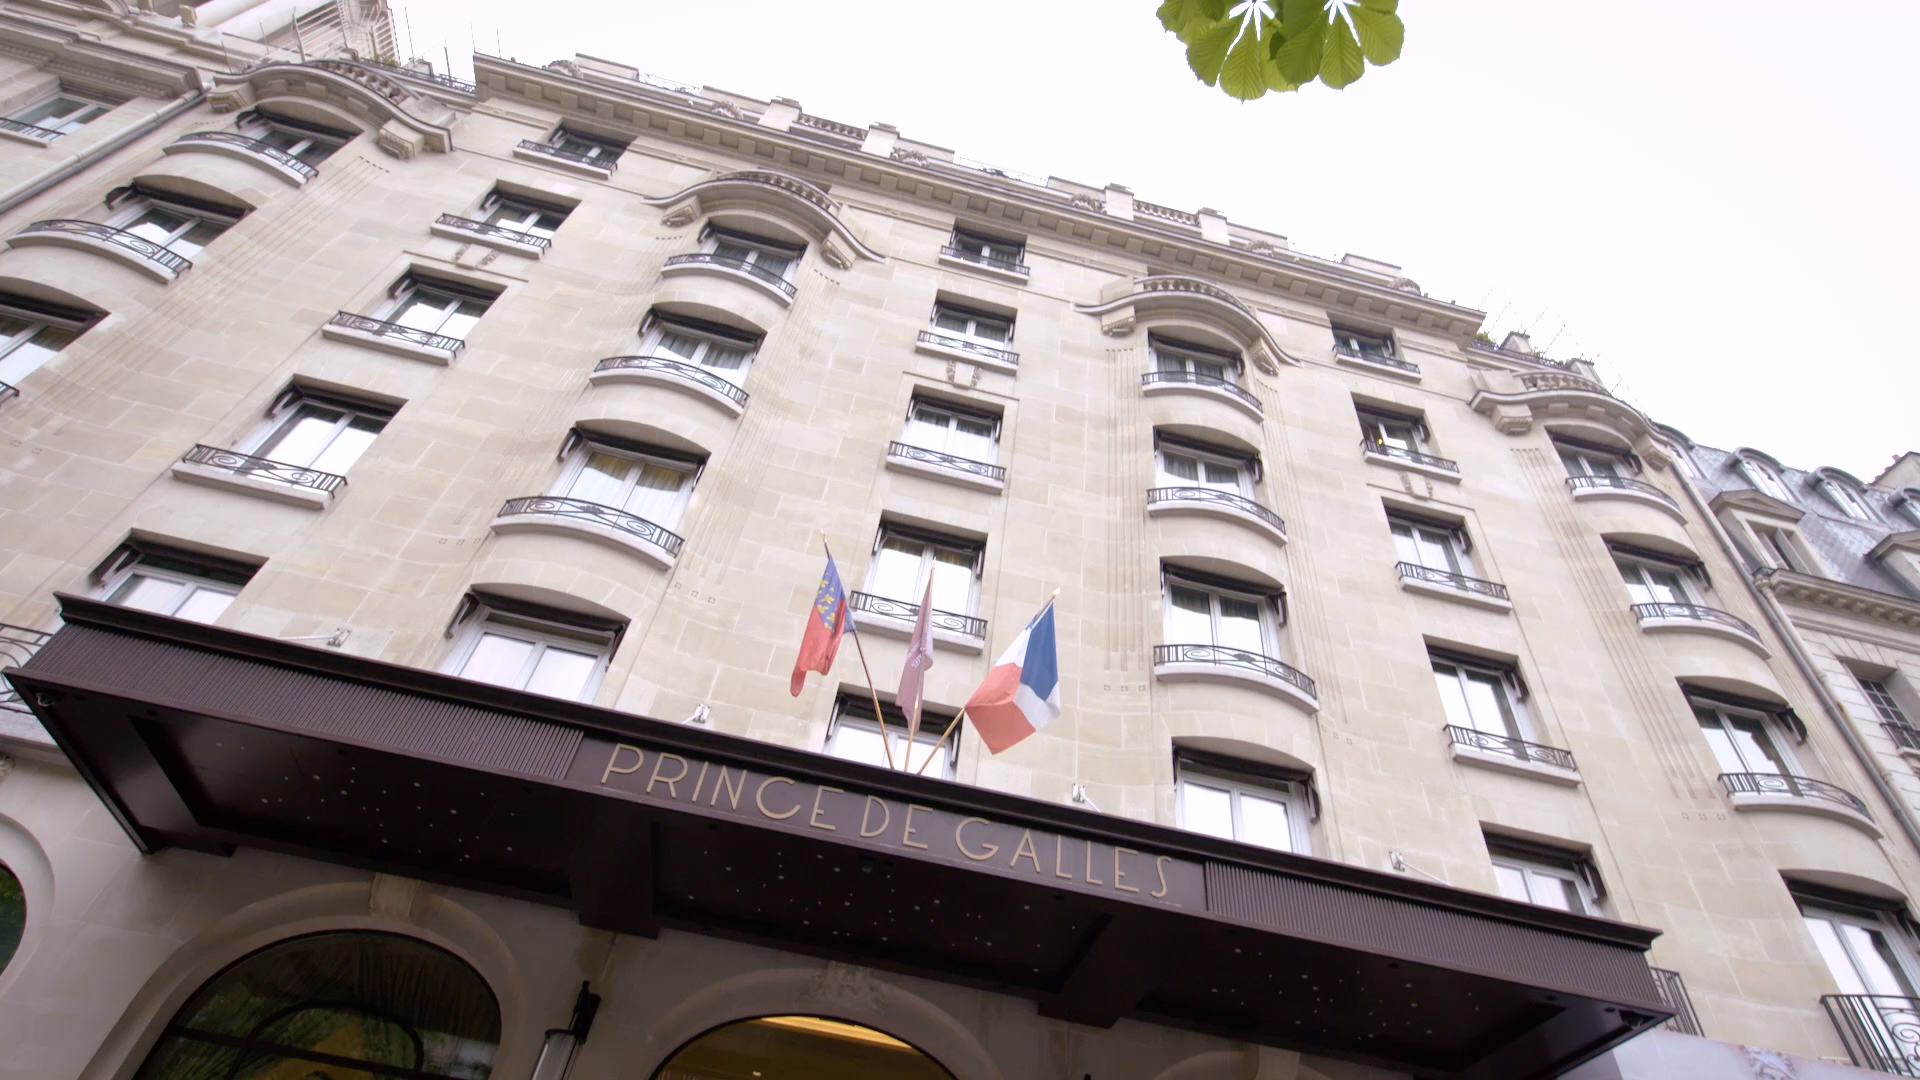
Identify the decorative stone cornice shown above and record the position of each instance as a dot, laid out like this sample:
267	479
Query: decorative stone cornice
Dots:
73	56
1514	402
1792	587
778	193
1753	502
1123	303
406	121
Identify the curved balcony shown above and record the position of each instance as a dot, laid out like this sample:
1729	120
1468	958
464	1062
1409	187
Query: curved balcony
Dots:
615	526
1236	665
1385	365
906	457
1411	460
974	352
213	466
393	338
1188	382
1448	585
1508	754
897	618
455	227
1011	268
708	262
1782	791
138	252
1699	618
1881	1032
253	151
597	167
1624	488
674	374
1212	501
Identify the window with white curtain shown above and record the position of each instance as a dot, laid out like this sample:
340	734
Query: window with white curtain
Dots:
720	350
1183	464
171	581
1850	501
945	428
1582	460
1481	695
853	735
311	429
31	333
64	112
1363	343
1744	740
312	145
1246	806
1197	363
1765	478
1430	544
1394	430
905	560
760	256
541	654
435	306
1204	612
952	320
646	482
517	213
1654	581
979	248
1866	950
1549	879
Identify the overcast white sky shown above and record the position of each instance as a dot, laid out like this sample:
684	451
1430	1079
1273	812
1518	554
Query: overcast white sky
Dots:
1715	200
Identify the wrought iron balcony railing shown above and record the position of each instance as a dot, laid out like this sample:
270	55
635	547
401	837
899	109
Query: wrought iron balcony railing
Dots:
950	621
609	162
1508	746
394	330
482	228
1881	1032
17	646
1211	382
1375	358
31	131
154	253
1011	266
1673	993
679	369
744	266
447	81
1697	613
1418	458
1620	483
264	468
1452	580
593	513
1203	496
1238	659
910	452
1798	787
948	341
252	146
1905	736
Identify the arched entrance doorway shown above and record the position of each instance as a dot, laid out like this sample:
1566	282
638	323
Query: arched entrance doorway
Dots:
335	1006
799	1048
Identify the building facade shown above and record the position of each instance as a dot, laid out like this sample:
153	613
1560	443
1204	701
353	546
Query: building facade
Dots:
415	490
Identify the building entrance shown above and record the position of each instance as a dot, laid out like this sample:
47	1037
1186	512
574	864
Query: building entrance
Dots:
799	1048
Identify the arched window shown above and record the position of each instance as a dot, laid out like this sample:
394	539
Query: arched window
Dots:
343	1006
806	1047
13	915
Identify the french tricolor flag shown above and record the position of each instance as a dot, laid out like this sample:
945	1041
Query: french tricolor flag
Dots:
1021	693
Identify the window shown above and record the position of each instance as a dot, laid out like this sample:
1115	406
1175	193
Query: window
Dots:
950	429
315	430
63	113
978	248
178	223
956	321
645	481
1178	463
13	915
756	255
1850	501
1864	948
538	650
1242	804
1393	430
588	148
146	576
1537	874
1582	460
1201	611
517	213
721	350
852	735
1430	544
1781	548
1196	363
1363	344
1765	478
1893	718
436	306
309	143
1743	740
1480	695
31	333
1653	581
905	560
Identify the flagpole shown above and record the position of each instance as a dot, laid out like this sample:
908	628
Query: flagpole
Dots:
922	770
880	717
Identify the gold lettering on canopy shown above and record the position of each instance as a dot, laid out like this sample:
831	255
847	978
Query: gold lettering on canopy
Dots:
960	841
613	759
907	836
813	819
866	813
760	798
1025	848
661	759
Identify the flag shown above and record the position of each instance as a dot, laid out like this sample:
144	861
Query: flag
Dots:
913	674
826	621
1021	693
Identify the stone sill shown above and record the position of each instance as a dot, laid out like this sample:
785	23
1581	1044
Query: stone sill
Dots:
305	498
1458	596
553	162
1013	276
1197	508
957	477
903	628
1363	364
21	137
238	153
716	270
936	349
1629	495
98	247
512	523
1488	759
1703	626
1795	804
1404	465
1187	672
1200	390
671	381
498	243
387	343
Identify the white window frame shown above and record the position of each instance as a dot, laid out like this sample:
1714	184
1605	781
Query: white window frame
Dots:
638	457
1374	425
88	110
946	763
542	633
973	320
928	544
1517	724
1356	342
1849	501
650	345
953	414
1633	571
257	127
36	323
1780	546
757	249
1580	460
1770	725
1765	479
1263	603
1531	869
286	410
148	564
411	286
1906	963
530	212
1451	538
980	247
1161	351
1879	692
1242	468
137	207
1290	794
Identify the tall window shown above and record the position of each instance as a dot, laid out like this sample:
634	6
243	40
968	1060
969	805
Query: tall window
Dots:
1535	874
1781	548
1865	950
1431	544
1743	740
63	113
721	350
905	560
310	143
1765	478
853	735
342	1004
1206	612
1653	581
1481	695
1183	464
978	248
179	224
518	213
1850	501
987	329
315	430
1879	693
945	428
758	255
31	333
1363	344
645	481
437	306
170	581
1248	804
1394	430
1197	363
541	651
1582	460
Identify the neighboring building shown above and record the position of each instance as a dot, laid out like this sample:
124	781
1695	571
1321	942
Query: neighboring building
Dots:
415	490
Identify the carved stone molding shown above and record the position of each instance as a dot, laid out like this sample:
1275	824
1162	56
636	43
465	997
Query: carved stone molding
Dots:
681	216
848	985
776	193
378	103
1124	302
1769	1064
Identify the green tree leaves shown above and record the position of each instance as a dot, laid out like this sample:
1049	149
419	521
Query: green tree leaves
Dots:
1250	47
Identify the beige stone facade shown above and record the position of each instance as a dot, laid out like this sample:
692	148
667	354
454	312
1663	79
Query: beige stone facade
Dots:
97	438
